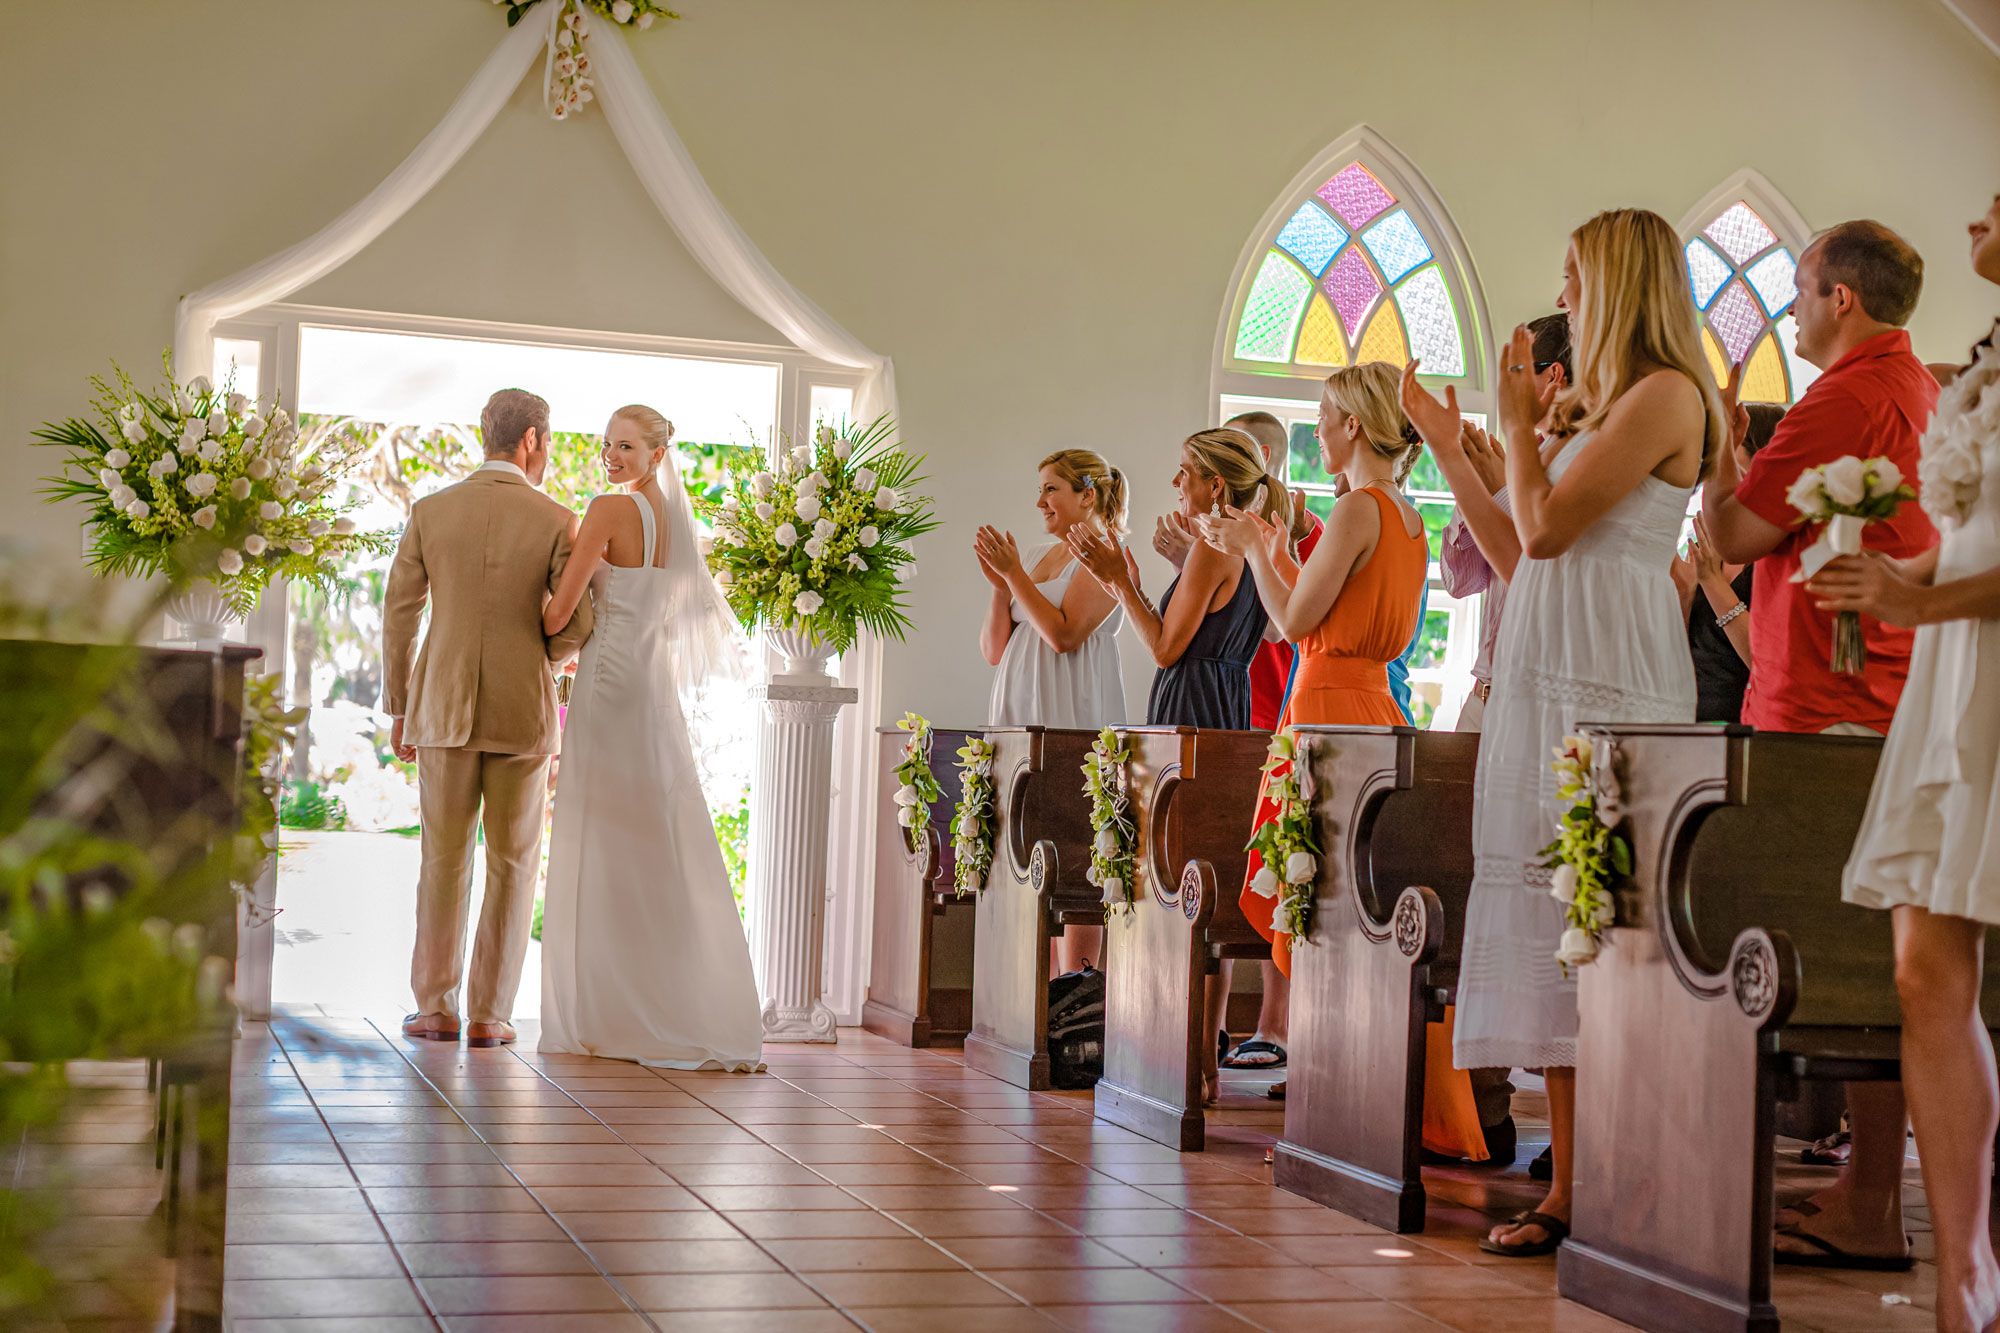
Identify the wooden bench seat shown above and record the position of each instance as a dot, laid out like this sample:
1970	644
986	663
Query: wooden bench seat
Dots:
914	893
1393	812
1194	796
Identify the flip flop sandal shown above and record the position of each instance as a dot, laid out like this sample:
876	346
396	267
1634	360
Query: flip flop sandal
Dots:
1829	1255
1833	1150
1276	1092
1555	1232
1246	1056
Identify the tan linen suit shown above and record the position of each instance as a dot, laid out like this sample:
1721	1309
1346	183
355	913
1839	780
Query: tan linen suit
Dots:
479	705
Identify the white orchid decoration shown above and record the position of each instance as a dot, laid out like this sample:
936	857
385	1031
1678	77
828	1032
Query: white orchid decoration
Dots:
567	86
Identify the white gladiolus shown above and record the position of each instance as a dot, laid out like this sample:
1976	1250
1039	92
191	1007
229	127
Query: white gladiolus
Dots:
815	548
723	578
1090	874
1264	884
239	489
202	484
138	509
1107	842
864	479
218	423
906	816
1280	926
802	455
238	404
764	511
886	498
731	503
210	451
253	427
128	412
621	11
1300	867
254	544
1114	889
135	432
230	563
192	437
906	572
868	536
164	465
1576	947
204	517
117	458
1562	884
302	547
824	529
857	564
270	511
809	507
646	20
812	483
808	603
706	545
1846	483
259	469
906	795
319	527
1604	913
108	479
122	496
343	527
841	449
786	536
199	387
761	484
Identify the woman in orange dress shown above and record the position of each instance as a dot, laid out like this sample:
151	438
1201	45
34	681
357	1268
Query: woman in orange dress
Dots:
1352	608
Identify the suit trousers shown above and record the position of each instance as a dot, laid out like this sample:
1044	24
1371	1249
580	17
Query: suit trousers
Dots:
458	790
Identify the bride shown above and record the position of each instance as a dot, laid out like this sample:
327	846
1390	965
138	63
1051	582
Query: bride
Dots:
643	956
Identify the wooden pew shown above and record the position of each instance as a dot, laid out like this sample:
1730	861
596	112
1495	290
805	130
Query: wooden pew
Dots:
1392	809
1733	973
914	891
1036	886
1194	797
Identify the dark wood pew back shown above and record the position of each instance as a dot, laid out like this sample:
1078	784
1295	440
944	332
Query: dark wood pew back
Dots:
1393	814
913	890
1194	795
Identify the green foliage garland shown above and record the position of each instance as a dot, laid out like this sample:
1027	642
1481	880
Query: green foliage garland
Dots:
918	785
1587	857
1285	842
1113	849
972	818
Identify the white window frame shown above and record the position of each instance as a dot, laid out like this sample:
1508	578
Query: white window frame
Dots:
1755	189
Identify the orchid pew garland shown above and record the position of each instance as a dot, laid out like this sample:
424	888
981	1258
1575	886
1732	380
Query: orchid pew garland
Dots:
1846	495
1113	849
972	819
919	786
1287	841
1587	857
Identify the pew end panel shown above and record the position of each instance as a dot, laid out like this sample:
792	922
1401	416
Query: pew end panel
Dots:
913	891
1393	816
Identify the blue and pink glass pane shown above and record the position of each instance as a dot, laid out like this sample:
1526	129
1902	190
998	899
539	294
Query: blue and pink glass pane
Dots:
1707	271
1271	310
1352	287
1396	244
1433	328
1356	197
1736	320
1740	233
1773	277
1312	238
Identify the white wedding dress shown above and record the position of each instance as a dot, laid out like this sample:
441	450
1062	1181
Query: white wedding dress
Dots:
643	955
1592	635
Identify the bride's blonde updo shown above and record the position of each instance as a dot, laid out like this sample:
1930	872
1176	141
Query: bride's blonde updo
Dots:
654	430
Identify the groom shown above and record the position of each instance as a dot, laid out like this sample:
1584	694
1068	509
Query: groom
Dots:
477	711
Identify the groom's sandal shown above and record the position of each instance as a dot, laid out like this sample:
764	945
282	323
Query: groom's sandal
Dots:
431	1027
489	1034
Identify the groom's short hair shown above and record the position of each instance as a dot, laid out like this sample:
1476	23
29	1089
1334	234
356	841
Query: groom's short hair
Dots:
510	414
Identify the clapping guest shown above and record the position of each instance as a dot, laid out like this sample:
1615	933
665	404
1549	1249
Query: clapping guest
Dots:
1858	284
1715	596
1051	635
1593	630
1926	850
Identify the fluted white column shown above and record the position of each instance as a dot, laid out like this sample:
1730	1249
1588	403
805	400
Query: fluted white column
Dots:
790	800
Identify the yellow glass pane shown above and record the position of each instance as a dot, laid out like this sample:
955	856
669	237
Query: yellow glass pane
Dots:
1383	339
1717	362
1764	377
1320	343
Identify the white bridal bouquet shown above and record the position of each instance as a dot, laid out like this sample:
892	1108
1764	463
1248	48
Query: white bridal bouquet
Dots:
820	542
1846	495
192	481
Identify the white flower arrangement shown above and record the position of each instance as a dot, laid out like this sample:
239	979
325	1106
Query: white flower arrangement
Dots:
567	85
252	510
1113	851
1846	495
972	818
917	785
1586	857
1287	851
788	540
1968	415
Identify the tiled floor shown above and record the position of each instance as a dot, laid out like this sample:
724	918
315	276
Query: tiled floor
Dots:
388	1185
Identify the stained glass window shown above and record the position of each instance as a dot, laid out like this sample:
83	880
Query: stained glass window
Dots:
1741	273
1353	275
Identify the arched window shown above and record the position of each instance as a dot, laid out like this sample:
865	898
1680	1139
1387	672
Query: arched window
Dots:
1742	245
1358	260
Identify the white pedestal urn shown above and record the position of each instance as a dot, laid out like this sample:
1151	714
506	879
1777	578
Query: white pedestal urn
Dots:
788	827
200	615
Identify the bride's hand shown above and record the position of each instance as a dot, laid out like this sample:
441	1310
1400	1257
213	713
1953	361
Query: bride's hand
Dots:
986	570
1101	555
1237	532
1522	399
996	551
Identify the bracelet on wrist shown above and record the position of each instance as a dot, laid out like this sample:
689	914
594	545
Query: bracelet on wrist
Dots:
1722	621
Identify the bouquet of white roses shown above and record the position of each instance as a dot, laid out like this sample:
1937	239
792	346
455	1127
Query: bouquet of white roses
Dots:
1846	495
193	482
820	543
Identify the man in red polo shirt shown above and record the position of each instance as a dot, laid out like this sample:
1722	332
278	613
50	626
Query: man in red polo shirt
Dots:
1857	286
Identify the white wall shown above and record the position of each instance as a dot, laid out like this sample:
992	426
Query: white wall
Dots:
1033	206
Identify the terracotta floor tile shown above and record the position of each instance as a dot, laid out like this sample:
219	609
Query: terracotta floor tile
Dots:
750	1321
451	1199
959	1319
1089	1286
1137	1222
345	1297
413	1154
1291	1222
335	1324
697	1175
615	1198
518	1258
685	1224
637	1135
681	1256
1200	1251
878	1253
634	1174
1201	1318
1046	1251
434	1174
1227	1284
892	1173
1348	1317
721	1291
603	1321
302	1229
242	1263
1370	1251
750	1198
830	1224
1545	1315
852	1290
976	1222
279	1154
1432	1282
470	1226
545	1293
609	1154
290	1175
310	1202
1092	1197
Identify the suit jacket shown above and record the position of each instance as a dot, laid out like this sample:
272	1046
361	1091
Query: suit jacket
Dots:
485	553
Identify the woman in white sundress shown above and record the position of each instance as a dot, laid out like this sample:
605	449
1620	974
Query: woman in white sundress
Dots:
643	954
1929	846
1593	631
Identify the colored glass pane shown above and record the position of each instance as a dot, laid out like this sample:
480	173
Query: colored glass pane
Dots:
1736	320
1355	196
1353	287
1271	310
1396	244
1717	362
1772	276
1384	339
1740	233
1707	271
1320	343
1312	238
1433	327
1801	372
1764	376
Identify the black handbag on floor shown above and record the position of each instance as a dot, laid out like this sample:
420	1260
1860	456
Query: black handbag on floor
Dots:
1076	1028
